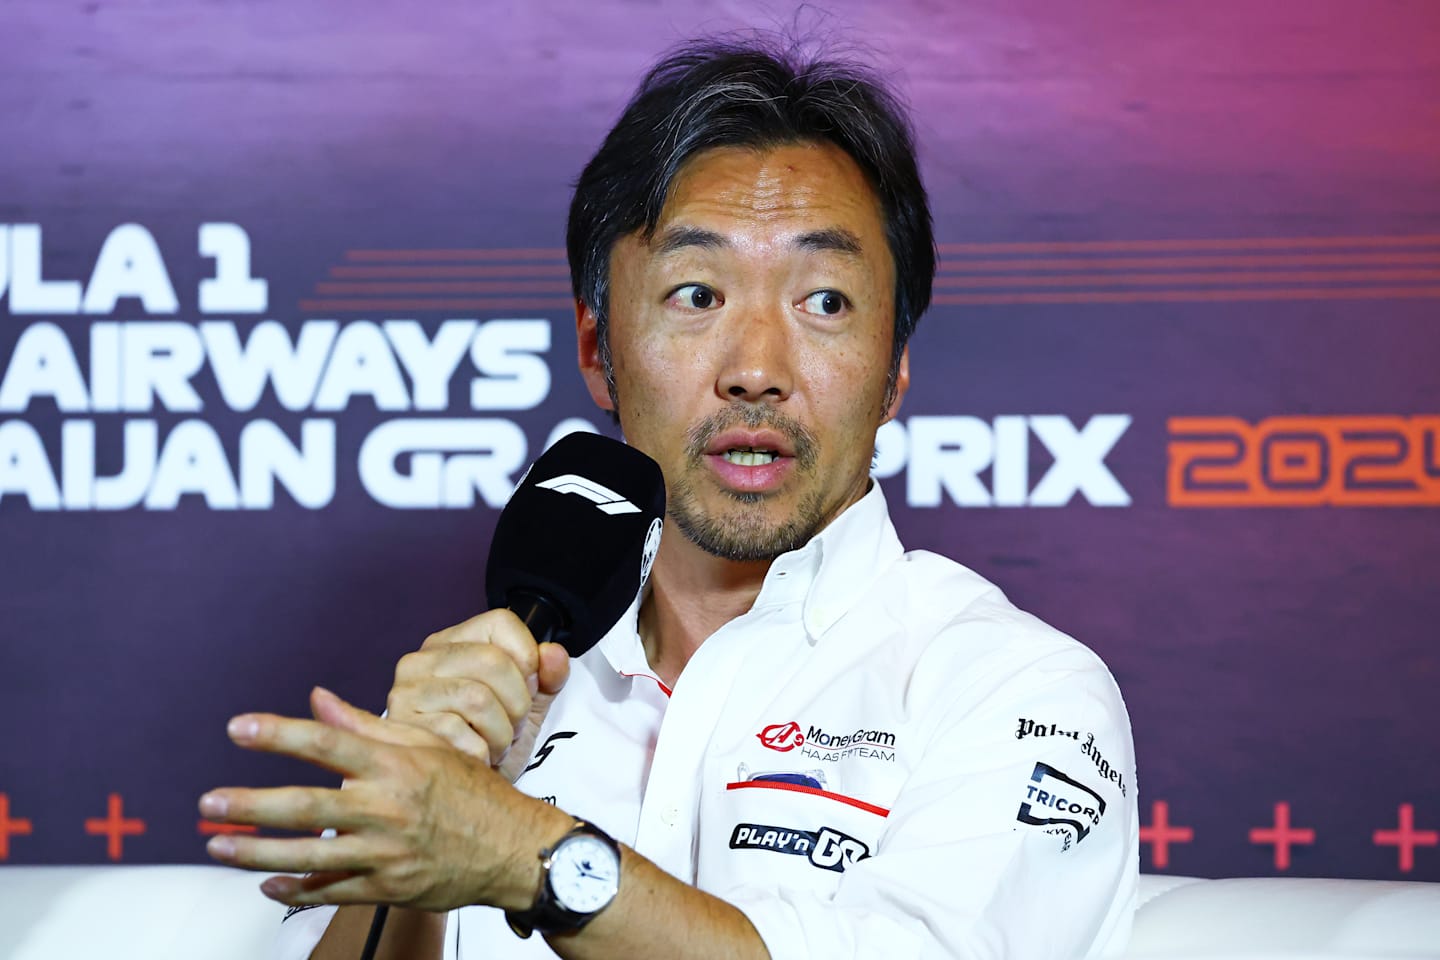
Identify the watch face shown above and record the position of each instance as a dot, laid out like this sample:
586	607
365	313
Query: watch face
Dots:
584	874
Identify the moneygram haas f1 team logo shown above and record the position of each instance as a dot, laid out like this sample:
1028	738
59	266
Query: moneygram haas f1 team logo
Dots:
782	737
1309	461
817	743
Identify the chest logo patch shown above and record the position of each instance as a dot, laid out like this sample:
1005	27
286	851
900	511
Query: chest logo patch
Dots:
826	848
782	737
548	747
1061	804
817	743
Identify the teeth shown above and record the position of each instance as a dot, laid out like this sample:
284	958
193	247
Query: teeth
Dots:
750	458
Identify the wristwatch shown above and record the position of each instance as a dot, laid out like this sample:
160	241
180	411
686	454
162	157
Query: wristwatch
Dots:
579	876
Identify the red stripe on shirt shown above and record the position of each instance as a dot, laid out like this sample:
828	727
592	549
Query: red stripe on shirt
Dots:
813	791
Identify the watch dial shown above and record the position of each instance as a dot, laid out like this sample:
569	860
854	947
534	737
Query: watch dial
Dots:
584	874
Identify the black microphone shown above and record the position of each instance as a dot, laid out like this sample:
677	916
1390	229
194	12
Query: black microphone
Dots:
571	550
575	543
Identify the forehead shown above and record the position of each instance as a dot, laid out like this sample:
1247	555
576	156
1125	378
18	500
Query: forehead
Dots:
770	194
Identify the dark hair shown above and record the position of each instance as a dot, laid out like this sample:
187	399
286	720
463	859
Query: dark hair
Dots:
753	92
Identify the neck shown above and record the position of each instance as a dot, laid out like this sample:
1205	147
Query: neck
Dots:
692	594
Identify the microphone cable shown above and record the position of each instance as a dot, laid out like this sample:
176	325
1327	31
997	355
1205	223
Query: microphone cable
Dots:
376	926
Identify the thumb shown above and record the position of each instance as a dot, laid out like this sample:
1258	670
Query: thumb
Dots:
554	668
553	671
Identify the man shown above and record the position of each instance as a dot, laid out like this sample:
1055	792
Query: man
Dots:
806	742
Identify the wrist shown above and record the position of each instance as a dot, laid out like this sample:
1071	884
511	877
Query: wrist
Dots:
547	824
580	877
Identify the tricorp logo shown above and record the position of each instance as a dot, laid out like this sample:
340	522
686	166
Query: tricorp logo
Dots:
1061	804
782	737
1304	461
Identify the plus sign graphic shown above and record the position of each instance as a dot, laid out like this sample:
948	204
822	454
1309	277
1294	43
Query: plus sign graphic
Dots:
210	828
1162	834
114	826
18	827
1407	838
1282	835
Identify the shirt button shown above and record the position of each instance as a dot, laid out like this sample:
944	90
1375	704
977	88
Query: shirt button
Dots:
669	815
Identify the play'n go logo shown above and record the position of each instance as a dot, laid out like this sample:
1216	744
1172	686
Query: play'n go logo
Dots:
974	463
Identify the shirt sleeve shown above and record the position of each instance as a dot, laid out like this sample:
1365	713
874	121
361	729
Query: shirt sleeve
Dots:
1014	837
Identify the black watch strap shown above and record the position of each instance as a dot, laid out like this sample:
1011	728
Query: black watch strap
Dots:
546	914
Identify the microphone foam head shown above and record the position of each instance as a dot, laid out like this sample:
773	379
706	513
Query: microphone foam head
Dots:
581	532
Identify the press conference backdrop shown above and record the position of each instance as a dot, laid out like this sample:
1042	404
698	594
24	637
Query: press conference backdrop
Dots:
284	312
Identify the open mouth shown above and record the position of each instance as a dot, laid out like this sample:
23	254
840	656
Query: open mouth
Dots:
749	456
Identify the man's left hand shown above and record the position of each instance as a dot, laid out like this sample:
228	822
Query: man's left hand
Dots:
418	823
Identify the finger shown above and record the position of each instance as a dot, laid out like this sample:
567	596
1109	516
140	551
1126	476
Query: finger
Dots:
499	627
455	731
280	887
322	888
335	712
284	808
473	701
496	675
346	852
554	667
322	744
475	630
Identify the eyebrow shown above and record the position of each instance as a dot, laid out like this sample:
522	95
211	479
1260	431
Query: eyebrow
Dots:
675	239
830	239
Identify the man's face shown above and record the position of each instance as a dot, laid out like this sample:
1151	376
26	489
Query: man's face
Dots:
751	343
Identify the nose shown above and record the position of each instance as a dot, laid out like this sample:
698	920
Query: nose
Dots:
757	362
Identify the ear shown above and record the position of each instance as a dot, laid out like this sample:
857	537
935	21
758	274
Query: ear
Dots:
592	368
902	384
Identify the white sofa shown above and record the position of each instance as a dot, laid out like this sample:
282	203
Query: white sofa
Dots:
215	913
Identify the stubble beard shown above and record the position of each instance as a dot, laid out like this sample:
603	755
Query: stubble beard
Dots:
742	533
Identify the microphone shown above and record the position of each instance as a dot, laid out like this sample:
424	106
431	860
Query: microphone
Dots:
572	548
576	542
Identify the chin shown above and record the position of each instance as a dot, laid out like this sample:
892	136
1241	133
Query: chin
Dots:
743	533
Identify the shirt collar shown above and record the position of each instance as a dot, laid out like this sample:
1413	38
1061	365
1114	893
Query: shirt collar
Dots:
827	576
830	574
621	645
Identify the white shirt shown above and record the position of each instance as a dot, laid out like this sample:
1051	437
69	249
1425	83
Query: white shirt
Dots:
882	758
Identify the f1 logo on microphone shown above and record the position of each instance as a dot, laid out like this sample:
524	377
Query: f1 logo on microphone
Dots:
603	497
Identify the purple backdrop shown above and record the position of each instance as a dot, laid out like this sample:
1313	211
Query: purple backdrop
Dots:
1197	246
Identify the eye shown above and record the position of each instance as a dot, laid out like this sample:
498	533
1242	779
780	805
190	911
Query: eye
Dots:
695	296
825	302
